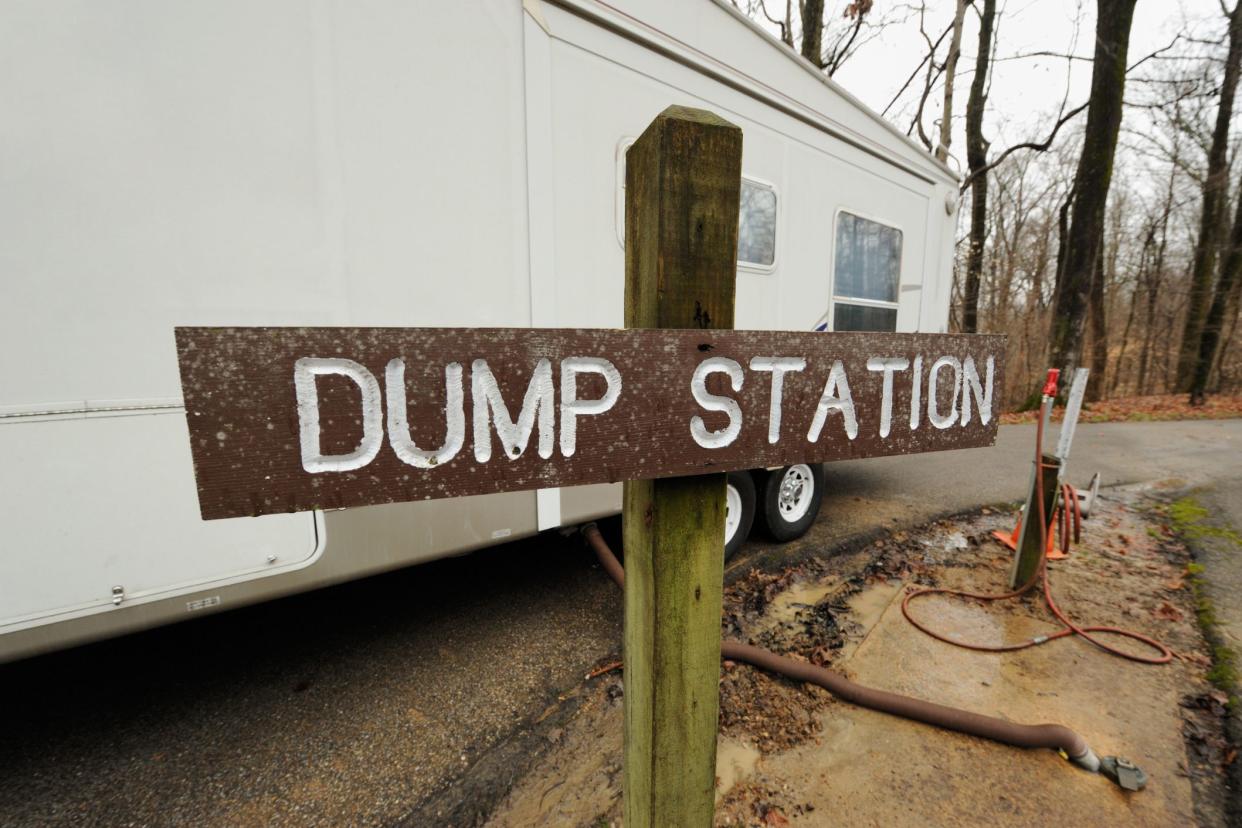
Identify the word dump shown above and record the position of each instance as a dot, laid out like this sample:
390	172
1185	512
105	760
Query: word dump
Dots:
291	419
539	409
490	411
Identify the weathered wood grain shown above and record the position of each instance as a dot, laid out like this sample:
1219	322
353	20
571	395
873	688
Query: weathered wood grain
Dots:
683	177
241	407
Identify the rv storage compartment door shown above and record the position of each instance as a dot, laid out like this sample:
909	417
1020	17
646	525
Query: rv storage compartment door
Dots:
106	500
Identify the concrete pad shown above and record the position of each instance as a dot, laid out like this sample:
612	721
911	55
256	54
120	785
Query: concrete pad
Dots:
870	768
791	754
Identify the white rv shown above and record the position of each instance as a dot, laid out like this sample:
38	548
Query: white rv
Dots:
300	162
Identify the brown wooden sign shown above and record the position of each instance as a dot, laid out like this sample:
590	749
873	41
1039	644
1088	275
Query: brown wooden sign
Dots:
290	419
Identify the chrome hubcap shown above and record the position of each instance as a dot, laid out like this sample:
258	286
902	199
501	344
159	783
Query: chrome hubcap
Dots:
797	489
733	512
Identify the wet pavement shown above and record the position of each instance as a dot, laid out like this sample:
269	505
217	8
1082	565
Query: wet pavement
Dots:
792	754
866	767
356	704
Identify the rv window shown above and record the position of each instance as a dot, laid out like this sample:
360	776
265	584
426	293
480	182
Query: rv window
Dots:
756	231
863	318
867	275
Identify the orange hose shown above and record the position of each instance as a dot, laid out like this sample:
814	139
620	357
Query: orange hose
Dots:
1041	574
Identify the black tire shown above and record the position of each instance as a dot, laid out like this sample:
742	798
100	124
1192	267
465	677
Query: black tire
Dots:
786	524
744	486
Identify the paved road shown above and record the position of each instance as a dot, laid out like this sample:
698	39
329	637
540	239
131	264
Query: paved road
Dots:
1217	544
355	704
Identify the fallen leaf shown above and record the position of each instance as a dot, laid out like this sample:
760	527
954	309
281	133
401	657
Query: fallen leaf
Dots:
775	817
1168	612
1175	584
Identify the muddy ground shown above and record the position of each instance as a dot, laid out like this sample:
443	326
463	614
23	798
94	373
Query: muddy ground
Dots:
790	754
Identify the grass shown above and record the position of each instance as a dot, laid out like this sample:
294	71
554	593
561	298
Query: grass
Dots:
1187	519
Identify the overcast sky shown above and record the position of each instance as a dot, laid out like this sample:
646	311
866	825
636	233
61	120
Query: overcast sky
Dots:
1024	92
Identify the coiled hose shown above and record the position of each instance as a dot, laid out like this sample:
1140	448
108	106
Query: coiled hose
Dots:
1070	515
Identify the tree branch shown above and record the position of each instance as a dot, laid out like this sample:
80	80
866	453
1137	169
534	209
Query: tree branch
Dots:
1039	146
1043	146
930	54
1154	54
786	34
838	54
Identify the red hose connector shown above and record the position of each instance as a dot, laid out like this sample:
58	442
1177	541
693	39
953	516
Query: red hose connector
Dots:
1050	385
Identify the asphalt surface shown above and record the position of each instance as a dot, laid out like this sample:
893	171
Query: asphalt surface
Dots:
1216	540
360	703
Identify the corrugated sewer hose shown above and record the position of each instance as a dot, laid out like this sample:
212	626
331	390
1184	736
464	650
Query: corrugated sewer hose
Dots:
1052	736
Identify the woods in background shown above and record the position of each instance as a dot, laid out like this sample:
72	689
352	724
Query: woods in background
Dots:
1112	241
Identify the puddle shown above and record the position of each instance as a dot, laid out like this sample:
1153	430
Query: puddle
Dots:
866	609
867	606
783	610
785	607
734	762
979	623
941	547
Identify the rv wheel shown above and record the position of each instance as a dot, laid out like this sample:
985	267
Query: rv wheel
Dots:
739	511
791	499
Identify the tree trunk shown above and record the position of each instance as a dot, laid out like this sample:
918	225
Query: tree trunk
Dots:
1155	273
950	75
1215	198
1091	182
977	159
1233	313
1230	273
1063	225
813	31
1125	339
1099	333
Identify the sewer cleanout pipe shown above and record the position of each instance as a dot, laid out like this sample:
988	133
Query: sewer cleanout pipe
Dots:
1053	736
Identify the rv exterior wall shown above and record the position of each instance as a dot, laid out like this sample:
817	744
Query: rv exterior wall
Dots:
359	181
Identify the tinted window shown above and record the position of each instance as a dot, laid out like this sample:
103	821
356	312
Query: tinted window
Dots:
863	318
868	262
756	232
866	276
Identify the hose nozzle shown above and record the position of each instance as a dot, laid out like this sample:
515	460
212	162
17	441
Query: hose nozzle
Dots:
1124	772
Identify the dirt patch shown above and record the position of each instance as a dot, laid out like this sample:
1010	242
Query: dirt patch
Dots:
790	754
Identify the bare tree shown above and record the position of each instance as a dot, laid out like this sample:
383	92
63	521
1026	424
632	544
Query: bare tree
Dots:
813	31
827	35
950	75
1192	373
1230	277
785	24
1091	181
1097	317
977	159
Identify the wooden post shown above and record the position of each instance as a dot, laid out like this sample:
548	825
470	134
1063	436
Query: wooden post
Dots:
1030	548
683	180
